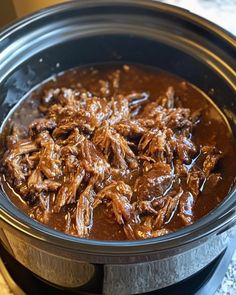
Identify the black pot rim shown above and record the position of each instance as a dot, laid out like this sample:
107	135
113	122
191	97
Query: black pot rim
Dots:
151	4
217	221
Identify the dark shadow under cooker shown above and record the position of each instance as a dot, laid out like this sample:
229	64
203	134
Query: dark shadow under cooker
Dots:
145	32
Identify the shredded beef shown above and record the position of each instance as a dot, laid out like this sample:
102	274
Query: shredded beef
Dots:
125	153
115	147
186	208
119	195
154	183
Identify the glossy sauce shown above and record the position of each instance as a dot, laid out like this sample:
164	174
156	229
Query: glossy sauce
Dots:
212	129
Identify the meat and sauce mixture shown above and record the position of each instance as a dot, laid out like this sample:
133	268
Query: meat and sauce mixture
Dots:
116	153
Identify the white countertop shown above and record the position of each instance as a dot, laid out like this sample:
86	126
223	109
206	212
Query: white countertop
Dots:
228	285
222	12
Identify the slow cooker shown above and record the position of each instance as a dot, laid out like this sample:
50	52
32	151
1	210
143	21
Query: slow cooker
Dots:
140	31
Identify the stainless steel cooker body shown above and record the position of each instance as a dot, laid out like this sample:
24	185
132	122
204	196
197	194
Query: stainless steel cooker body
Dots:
117	273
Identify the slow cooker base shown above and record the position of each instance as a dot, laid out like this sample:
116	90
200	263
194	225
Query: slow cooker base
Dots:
22	281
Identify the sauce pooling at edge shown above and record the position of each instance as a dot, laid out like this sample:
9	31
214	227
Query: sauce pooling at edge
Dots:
117	152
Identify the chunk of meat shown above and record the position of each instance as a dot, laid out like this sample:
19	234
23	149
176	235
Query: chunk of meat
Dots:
13	159
144	230
43	138
129	232
84	210
158	144
44	201
119	194
173	118
194	180
20	148
180	168
67	192
212	156
185	149
154	183
145	207
70	158
164	145
69	152
50	163
67	96
92	160
186	208
31	160
35	180
64	129
114	147
168	101
13	165
50	185
41	124
178	118
86	114
120	109
165	214
151	111
37	184
74	139
130	128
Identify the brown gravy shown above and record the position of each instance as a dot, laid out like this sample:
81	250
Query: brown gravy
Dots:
158	197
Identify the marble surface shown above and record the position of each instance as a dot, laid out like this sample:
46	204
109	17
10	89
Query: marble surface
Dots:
228	285
222	12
